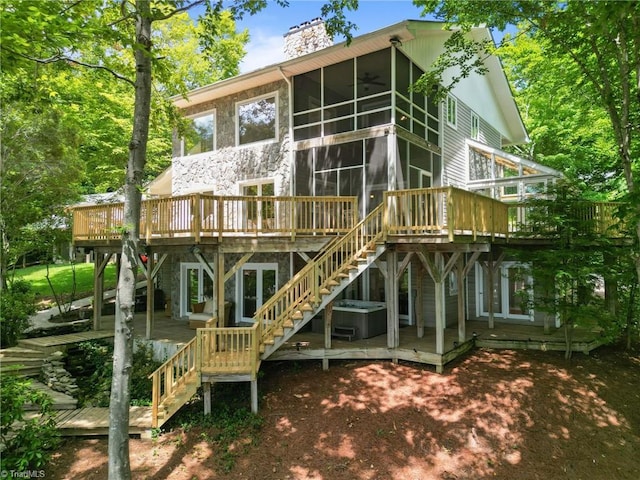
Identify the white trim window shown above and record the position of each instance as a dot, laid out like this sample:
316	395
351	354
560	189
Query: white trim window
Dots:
475	126
200	136
257	120
452	111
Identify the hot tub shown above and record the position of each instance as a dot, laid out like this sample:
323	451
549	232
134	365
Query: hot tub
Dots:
369	319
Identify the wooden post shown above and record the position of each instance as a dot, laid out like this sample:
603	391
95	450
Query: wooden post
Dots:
391	295
206	387
462	334
101	260
420	320
150	293
254	395
490	282
440	312
218	293
328	328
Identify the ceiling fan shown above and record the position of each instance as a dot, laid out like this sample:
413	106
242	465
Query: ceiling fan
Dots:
367	81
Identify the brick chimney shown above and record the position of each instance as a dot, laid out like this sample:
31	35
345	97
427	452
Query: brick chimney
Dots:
306	38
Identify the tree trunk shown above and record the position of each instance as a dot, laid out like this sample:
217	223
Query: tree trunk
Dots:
119	466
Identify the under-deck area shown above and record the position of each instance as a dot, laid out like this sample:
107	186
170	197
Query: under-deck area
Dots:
170	335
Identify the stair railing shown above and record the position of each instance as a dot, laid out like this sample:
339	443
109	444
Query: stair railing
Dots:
180	369
306	286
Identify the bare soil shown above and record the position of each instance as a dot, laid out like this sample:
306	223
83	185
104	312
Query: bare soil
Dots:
494	414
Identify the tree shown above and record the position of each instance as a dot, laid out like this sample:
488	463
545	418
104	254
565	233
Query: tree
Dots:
129	24
565	274
601	40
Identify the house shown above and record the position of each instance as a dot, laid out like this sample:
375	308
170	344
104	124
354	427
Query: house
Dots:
323	195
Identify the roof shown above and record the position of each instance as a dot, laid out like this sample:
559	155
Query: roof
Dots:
412	35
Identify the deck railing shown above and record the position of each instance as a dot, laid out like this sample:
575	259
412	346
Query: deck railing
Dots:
446	210
600	218
229	350
201	215
180	369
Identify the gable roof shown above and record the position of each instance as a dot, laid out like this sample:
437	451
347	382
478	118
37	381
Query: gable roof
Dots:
421	40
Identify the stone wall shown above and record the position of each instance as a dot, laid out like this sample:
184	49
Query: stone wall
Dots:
222	169
305	38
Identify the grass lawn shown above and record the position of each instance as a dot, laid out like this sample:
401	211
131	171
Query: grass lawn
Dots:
61	277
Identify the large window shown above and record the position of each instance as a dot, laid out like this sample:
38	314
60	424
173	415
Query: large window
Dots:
200	135
257	120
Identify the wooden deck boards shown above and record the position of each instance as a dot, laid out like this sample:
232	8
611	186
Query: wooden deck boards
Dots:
94	421
52	343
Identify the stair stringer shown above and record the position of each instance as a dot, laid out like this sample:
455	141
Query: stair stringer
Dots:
362	265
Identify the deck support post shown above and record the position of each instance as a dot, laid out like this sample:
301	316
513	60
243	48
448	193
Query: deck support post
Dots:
460	276
148	271
254	395
218	293
328	328
419	301
391	296
206	387
101	260
492	267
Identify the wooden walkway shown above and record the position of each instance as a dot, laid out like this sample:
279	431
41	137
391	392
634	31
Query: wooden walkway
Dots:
60	401
94	421
54	343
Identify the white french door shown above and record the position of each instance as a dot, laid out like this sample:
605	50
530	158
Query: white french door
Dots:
257	282
195	285
511	292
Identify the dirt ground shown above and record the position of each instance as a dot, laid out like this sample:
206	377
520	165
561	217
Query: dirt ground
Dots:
494	414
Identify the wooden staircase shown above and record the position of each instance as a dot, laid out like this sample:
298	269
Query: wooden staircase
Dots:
234	351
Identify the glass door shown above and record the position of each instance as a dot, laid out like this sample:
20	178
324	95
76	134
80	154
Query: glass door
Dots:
258	282
195	286
259	214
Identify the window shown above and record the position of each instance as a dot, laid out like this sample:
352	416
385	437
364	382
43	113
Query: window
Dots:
452	112
257	120
200	135
475	126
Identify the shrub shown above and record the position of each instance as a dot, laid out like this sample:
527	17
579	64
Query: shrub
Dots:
16	305
25	444
92	365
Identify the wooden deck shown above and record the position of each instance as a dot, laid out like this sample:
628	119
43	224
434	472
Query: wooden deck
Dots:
55	343
309	345
94	421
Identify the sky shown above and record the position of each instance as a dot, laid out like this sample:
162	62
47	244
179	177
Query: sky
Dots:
268	27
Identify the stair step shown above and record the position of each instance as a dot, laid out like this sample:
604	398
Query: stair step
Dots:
20	352
278	332
297	315
343	275
307	307
325	291
287	324
269	341
17	371
24	361
333	283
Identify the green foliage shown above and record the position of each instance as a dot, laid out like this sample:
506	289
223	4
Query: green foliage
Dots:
92	365
565	275
27	446
16	305
62	278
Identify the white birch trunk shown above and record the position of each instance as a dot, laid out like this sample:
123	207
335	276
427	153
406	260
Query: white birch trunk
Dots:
119	465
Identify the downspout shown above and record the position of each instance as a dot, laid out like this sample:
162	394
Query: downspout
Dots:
292	170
